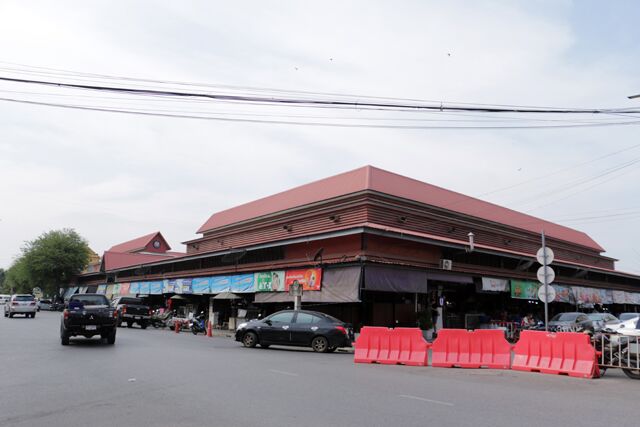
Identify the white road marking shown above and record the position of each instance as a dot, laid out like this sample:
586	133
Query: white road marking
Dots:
275	371
422	399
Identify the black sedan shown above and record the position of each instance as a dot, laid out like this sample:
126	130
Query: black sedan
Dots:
571	322
302	328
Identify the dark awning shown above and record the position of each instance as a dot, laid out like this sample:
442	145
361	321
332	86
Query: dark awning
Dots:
394	279
338	285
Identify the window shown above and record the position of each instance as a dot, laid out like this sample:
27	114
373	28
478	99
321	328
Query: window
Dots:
307	318
24	298
286	317
89	300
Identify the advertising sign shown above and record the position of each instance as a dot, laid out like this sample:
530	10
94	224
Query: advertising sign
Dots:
155	288
144	288
524	289
619	297
220	284
242	283
102	289
134	288
592	296
116	289
124	288
563	294
310	279
270	281
490	284
201	285
185	286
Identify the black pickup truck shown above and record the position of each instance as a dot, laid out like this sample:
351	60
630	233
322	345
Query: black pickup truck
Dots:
132	310
88	315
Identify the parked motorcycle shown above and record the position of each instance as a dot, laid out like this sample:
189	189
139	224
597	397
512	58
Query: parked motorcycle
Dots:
161	320
197	324
618	350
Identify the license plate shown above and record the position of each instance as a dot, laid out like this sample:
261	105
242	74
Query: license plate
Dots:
91	327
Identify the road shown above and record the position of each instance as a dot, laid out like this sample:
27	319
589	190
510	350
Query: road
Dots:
159	378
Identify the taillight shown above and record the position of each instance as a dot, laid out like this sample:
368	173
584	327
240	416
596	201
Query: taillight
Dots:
115	314
65	314
342	329
124	309
33	303
15	303
150	312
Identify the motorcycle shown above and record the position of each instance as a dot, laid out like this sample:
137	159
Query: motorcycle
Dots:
618	350
197	324
161	320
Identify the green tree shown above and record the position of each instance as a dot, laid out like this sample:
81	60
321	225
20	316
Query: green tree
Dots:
17	278
51	260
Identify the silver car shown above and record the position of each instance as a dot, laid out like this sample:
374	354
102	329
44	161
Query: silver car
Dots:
21	304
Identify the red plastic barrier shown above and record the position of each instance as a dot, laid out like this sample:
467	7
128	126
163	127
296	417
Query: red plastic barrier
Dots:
567	353
471	349
404	346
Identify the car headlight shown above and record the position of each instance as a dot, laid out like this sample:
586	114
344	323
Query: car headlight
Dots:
241	326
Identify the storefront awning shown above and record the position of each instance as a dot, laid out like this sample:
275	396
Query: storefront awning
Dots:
338	285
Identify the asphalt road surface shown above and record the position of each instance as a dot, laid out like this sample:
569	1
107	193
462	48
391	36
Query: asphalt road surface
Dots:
159	378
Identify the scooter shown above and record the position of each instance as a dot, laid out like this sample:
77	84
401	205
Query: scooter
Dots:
161	320
197	324
618	349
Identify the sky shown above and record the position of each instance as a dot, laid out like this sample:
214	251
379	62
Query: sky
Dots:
114	177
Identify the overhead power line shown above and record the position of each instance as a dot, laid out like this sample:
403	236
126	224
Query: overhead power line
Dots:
312	102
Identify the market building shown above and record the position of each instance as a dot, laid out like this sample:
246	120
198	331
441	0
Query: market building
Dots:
372	248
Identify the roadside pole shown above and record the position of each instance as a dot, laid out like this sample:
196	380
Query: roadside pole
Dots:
546	276
546	286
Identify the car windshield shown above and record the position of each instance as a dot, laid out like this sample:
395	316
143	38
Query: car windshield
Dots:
628	316
88	300
596	316
24	298
565	317
45	301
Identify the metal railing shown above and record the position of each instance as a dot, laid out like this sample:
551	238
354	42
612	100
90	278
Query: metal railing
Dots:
618	351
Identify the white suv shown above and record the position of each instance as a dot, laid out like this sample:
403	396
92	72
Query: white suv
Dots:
21	304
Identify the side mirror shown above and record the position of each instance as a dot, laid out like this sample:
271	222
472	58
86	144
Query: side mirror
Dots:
268	322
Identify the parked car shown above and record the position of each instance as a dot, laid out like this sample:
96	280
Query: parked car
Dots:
628	316
602	320
88	315
44	304
4	298
21	304
132	310
571	322
321	332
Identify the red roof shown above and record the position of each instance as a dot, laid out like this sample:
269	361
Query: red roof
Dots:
371	178
117	260
138	244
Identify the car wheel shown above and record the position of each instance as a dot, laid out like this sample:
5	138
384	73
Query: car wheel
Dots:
634	374
64	339
250	339
10	315
320	345
129	324
111	339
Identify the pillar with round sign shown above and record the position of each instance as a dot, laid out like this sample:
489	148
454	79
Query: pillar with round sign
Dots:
546	276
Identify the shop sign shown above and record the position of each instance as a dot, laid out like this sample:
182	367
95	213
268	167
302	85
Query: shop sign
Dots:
201	285
592	296
495	285
185	286
310	279
524	289
563	294
242	283
270	281
102	289
220	284
155	288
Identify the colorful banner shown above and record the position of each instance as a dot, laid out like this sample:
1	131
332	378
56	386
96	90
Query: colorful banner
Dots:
632	298
144	288
201	285
185	286
592	296
116	289
109	291
155	288
134	288
102	289
563	294
619	297
242	283
310	279
490	284
124	288
220	284
524	289
270	281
